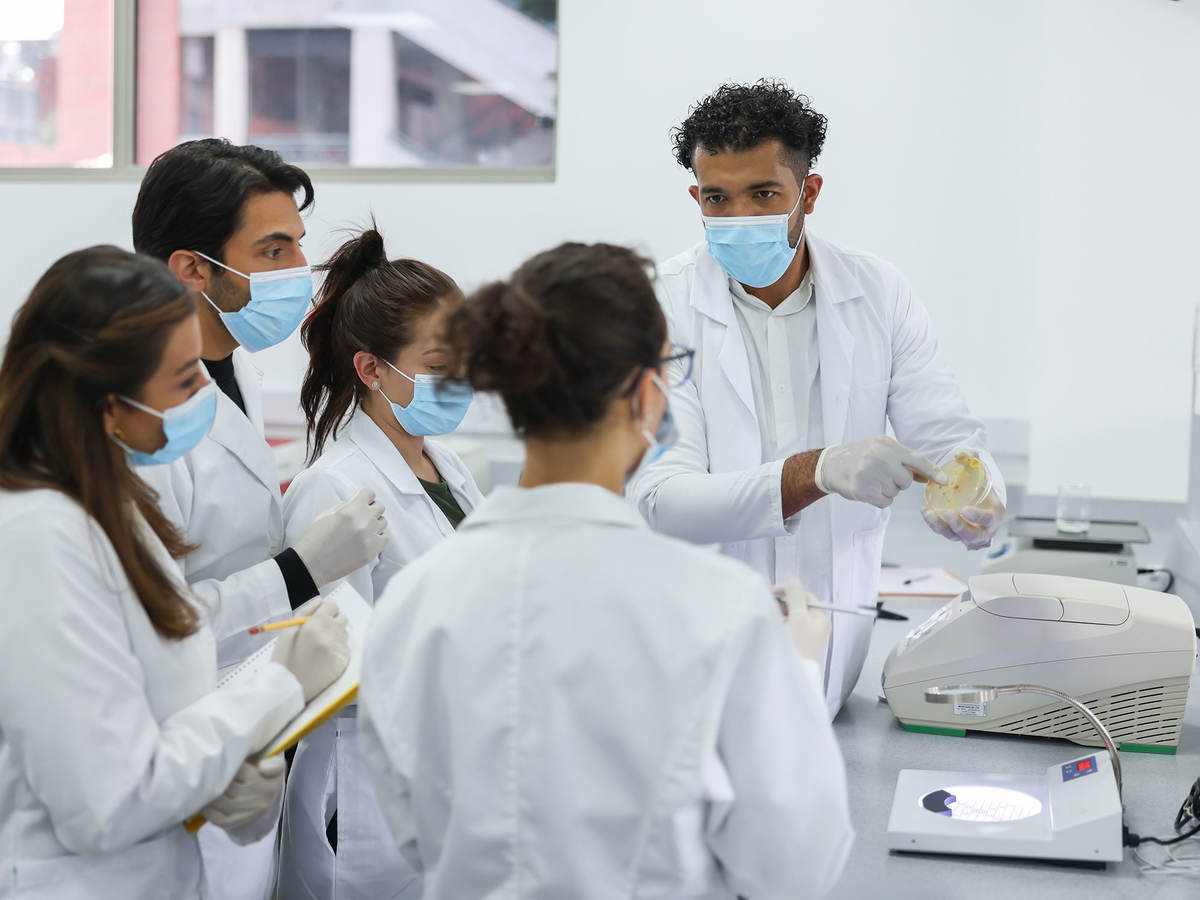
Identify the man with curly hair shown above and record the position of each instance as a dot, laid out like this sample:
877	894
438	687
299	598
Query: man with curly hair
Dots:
804	352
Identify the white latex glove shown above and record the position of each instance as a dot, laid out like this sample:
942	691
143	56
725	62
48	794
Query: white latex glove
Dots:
974	525
343	539
252	793
316	652
873	471
808	628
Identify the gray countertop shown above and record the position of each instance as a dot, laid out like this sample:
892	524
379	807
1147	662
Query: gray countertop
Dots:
876	748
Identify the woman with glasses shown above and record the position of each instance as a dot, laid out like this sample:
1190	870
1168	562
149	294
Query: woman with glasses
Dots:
559	702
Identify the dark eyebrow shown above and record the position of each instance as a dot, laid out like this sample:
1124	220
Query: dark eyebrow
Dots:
758	186
712	189
278	236
191	364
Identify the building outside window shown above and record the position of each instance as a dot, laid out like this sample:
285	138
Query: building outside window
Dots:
342	83
56	83
374	83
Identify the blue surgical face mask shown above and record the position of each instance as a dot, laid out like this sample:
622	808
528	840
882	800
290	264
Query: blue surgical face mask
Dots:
278	301
184	426
664	436
437	407
753	249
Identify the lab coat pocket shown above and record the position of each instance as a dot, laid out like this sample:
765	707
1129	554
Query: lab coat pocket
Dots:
306	859
51	877
368	861
169	863
868	409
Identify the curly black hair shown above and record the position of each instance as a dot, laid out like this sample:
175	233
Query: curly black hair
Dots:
740	116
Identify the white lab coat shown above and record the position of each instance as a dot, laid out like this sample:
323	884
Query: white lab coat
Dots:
329	771
110	734
558	702
224	496
879	362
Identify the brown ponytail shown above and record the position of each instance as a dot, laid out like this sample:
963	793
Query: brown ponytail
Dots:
366	303
561	336
94	325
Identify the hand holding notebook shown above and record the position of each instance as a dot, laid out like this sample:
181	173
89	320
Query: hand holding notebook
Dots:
317	651
325	704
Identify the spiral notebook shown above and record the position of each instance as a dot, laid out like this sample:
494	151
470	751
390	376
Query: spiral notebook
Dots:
321	708
331	700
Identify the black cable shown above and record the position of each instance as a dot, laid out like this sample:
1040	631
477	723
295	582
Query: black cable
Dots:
1189	812
1155	571
1134	840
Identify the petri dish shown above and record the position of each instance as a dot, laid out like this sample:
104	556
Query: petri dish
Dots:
969	483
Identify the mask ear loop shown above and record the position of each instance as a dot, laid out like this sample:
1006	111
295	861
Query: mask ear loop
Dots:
377	386
227	269
397	371
803	224
644	424
222	265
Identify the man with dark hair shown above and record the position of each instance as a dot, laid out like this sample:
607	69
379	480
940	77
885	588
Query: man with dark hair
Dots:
805	351
225	220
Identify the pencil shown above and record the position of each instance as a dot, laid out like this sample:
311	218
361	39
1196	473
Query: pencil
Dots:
275	626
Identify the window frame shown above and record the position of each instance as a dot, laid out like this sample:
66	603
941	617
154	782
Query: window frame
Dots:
125	168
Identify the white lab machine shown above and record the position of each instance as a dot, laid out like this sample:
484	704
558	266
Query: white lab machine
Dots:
1125	652
1071	811
1105	551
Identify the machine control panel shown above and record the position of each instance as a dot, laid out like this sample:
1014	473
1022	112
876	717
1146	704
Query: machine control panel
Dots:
1078	768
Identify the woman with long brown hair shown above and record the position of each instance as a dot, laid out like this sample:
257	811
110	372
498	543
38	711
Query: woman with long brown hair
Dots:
111	730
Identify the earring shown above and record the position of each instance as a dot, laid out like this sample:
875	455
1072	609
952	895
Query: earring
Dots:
118	434
374	385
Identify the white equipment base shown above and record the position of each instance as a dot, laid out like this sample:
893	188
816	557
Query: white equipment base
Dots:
1070	812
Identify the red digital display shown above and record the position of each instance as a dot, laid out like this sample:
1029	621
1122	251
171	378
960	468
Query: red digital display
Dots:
1084	765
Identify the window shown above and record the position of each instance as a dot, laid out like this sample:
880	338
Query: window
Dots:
353	83
56	83
299	93
347	84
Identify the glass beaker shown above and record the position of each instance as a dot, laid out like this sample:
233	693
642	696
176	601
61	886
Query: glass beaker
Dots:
1073	515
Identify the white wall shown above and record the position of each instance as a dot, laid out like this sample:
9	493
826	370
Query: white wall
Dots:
937	159
1118	269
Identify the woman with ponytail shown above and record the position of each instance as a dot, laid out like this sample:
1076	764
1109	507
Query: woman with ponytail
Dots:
559	702
375	392
111	730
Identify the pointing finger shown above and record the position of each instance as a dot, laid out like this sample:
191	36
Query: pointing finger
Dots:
922	465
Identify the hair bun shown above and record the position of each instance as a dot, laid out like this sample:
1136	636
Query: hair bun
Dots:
370	248
356	257
364	252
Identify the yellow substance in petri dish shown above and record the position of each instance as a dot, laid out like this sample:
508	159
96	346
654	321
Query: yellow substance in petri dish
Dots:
969	483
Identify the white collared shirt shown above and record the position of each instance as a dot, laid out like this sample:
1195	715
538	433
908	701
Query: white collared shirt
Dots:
785	370
781	344
360	457
558	702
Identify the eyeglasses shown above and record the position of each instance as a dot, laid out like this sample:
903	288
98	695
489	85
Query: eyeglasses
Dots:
679	365
679	368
